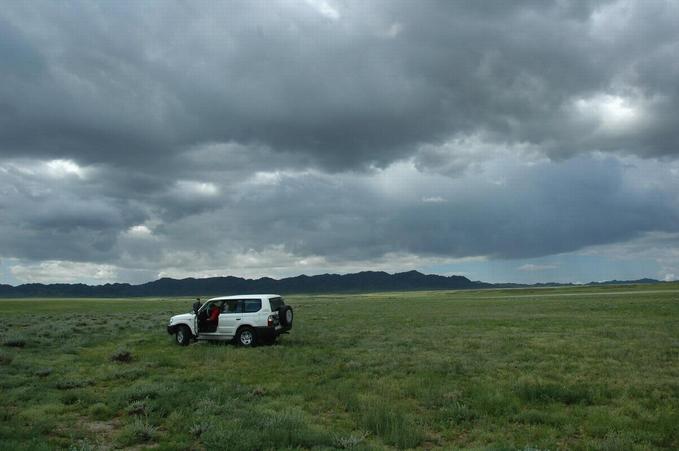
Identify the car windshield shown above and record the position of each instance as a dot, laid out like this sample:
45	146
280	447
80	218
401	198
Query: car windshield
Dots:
276	303
207	306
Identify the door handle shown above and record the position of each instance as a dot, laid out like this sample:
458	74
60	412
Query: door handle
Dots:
237	319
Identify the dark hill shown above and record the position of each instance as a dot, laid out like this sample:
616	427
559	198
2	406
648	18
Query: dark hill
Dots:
324	283
365	281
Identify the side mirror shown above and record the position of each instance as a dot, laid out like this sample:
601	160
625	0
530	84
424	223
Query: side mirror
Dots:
196	306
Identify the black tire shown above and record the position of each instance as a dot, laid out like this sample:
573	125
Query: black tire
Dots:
183	335
285	316
246	337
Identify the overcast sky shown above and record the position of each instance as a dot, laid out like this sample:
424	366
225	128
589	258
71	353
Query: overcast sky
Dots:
517	141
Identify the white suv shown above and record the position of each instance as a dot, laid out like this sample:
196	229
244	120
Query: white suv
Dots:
247	319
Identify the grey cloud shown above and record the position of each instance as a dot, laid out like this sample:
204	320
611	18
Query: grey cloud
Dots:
20	58
46	217
503	210
541	210
125	83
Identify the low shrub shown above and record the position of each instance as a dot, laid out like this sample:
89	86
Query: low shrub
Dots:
350	441
540	392
458	412
76	396
14	342
215	433
258	391
5	359
616	441
139	407
491	401
537	417
143	392
392	425
138	431
43	372
127	373
68	384
100	411
121	355
287	428
197	429
84	445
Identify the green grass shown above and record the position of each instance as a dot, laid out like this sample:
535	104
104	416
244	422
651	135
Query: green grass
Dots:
575	368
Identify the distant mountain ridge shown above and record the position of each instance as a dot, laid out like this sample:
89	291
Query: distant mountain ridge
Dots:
366	281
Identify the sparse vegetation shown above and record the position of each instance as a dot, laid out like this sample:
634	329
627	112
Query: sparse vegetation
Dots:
577	368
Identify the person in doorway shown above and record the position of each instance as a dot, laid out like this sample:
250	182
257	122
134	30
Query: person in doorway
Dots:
213	314
211	318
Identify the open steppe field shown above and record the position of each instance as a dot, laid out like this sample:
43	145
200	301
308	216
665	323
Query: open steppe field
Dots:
574	368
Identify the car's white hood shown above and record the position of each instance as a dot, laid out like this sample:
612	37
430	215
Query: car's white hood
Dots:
182	318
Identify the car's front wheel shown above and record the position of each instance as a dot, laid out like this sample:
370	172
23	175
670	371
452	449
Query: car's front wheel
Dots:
183	335
246	337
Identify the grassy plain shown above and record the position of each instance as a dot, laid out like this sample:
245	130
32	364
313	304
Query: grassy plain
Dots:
576	368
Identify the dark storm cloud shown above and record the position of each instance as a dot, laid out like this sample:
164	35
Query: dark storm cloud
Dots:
503	209
534	211
543	210
127	83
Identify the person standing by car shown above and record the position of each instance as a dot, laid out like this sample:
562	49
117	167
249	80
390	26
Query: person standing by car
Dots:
196	305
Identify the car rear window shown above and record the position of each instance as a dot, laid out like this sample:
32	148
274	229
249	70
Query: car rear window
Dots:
252	305
276	303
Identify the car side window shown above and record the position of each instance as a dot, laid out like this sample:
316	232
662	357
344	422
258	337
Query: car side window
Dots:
276	303
233	306
252	305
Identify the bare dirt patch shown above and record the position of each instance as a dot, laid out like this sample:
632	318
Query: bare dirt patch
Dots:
102	432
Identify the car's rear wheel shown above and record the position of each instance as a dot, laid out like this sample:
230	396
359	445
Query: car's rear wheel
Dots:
246	337
183	335
285	316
